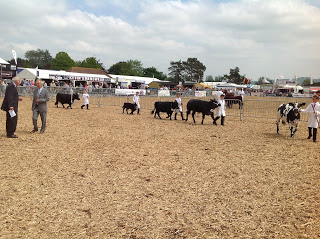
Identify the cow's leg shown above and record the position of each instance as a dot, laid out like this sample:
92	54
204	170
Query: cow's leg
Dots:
212	116
277	122
193	113
158	113
123	110
296	128
170	114
56	103
203	115
188	112
63	105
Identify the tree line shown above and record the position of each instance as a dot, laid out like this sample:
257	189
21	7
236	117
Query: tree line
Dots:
178	71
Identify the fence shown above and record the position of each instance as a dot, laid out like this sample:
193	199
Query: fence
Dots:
101	97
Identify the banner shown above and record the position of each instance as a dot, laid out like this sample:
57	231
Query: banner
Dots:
14	54
274	86
163	92
129	91
199	93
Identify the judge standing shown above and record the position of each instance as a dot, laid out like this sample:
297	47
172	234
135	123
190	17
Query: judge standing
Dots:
10	105
39	106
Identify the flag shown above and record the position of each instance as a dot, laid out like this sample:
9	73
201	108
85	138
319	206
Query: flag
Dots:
14	56
244	80
265	81
311	80
274	85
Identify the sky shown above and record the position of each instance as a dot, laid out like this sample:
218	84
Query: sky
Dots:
261	37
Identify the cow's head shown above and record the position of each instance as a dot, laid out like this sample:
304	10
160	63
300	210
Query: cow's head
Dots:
174	105
296	108
75	96
214	103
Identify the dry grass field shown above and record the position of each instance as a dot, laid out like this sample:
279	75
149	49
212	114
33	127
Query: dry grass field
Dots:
99	173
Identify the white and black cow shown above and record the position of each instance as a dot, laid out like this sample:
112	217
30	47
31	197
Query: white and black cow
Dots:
164	106
66	99
290	113
129	106
201	106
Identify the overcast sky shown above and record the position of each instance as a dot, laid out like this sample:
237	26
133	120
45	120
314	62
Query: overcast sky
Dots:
261	37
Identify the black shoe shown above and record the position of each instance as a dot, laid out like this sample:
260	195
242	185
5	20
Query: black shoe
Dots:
315	141
12	136
309	137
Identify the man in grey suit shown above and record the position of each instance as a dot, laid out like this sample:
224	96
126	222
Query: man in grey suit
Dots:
39	106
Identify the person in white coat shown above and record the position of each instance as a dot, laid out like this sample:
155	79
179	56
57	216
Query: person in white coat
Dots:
313	110
85	97
136	99
241	93
221	110
179	101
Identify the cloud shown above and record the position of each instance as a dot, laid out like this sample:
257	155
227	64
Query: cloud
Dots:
260	37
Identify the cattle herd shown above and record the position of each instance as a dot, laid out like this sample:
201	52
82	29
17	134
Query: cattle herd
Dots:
289	113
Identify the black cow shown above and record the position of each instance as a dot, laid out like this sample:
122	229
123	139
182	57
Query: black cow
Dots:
204	107
164	106
66	99
129	106
290	113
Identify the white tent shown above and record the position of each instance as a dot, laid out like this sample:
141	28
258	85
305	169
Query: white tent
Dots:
3	62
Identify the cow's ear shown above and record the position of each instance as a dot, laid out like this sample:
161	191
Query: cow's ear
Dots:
302	104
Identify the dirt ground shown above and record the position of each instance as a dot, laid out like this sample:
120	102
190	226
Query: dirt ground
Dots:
99	173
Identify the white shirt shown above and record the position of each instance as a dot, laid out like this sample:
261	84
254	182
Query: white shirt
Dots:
179	101
136	99
221	110
313	121
85	98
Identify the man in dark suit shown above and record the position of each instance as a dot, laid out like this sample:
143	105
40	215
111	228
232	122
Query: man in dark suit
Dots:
10	103
39	106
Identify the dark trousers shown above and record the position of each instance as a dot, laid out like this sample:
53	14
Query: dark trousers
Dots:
11	123
314	135
84	106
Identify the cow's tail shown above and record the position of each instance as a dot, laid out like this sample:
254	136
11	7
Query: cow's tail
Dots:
154	109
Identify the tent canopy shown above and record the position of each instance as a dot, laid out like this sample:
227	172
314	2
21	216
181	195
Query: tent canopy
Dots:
3	62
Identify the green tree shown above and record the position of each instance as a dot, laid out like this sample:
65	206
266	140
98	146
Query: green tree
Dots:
194	70
209	78
90	62
153	72
234	76
190	70
176	71
39	58
62	61
20	62
306	82
130	68
219	78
